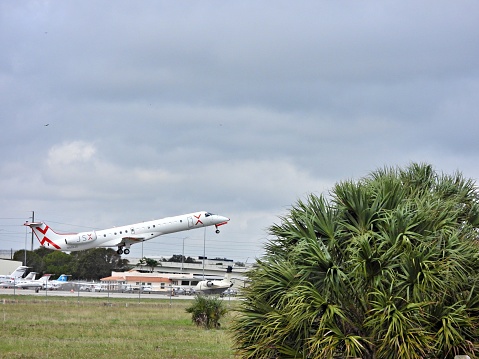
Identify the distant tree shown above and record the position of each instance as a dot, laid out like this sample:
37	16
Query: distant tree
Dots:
34	261
43	251
141	262
57	263
190	260
386	267
177	258
152	264
98	263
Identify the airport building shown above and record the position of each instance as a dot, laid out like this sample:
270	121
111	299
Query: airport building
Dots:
8	266
171	276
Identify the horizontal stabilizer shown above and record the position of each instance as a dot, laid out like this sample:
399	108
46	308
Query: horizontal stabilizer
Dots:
33	224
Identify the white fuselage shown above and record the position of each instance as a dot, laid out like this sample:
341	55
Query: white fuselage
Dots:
124	236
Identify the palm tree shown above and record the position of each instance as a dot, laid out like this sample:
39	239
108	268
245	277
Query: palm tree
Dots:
386	267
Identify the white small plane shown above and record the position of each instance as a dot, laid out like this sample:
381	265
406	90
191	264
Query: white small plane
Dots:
33	283
7	280
123	237
215	286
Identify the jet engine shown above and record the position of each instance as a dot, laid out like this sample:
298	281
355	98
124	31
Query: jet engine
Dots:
81	238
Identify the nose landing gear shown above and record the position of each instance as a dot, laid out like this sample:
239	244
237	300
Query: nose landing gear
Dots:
219	224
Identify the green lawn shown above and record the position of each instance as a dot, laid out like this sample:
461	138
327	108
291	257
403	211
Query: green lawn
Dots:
60	327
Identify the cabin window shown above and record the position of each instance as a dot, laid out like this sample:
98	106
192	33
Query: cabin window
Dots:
126	230
104	235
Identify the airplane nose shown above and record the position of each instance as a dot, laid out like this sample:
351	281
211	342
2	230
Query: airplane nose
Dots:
222	219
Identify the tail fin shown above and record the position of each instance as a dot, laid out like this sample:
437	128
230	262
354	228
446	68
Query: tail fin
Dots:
63	278
30	276
45	278
45	235
19	272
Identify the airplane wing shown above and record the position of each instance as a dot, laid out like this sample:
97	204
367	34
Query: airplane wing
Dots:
131	240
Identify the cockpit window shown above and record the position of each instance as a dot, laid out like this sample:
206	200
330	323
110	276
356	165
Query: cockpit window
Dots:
207	214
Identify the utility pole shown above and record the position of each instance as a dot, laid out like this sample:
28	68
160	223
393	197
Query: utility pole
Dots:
33	220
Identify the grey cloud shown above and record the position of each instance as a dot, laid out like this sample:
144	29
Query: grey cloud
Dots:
235	107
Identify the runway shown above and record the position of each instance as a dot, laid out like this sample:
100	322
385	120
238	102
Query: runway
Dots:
105	294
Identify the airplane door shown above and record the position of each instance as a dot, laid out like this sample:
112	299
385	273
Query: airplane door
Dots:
190	222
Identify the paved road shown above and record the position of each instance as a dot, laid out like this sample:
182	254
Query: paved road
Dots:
136	296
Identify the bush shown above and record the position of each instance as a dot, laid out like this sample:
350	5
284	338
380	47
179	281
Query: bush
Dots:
207	311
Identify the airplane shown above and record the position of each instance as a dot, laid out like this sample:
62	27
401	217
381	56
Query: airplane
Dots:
30	276
7	280
57	283
215	286
33	283
123	237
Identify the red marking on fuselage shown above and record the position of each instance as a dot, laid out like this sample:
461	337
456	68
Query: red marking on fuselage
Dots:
198	219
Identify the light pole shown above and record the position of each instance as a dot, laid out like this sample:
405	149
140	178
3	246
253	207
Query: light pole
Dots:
183	255
33	220
204	253
25	250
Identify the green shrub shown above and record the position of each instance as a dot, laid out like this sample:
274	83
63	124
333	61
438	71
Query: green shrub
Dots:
207	311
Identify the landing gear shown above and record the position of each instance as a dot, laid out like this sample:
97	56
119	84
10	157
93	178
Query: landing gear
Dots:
219	224
121	250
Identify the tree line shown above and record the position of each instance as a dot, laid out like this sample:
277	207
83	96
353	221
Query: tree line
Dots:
92	264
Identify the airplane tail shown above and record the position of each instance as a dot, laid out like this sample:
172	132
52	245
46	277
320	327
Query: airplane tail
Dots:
62	278
45	235
45	278
19	272
30	276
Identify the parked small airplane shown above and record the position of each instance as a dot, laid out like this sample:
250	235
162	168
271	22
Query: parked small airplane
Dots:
30	276
57	283
7	280
123	237
215	286
33	283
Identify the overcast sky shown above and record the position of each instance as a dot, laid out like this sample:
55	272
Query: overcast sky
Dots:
240	108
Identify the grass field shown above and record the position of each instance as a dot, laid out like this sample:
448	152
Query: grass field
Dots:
60	327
